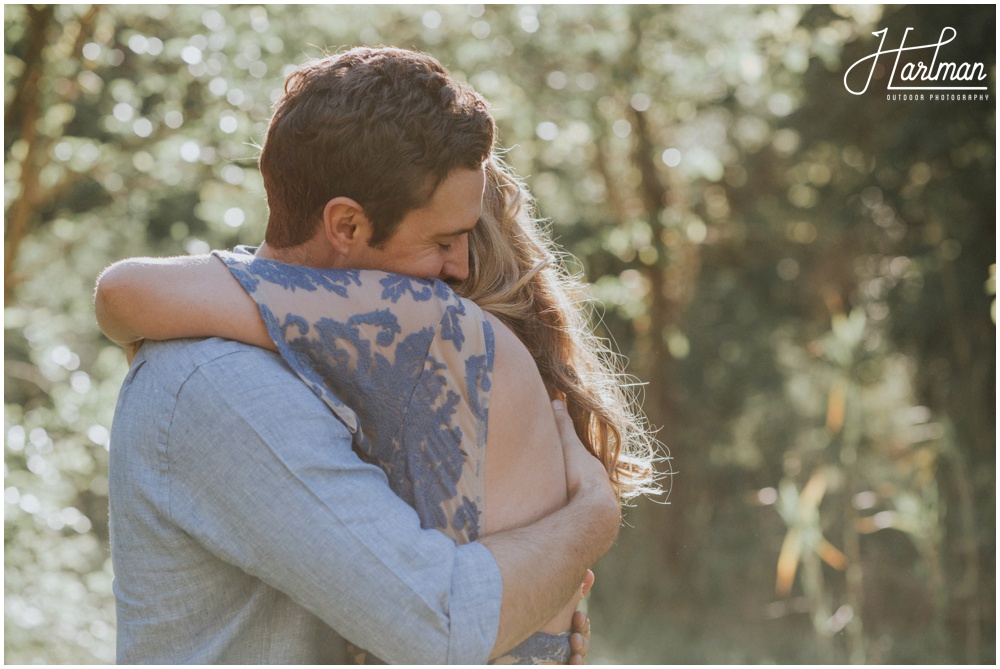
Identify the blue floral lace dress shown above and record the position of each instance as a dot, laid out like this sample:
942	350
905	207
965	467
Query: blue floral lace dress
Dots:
415	361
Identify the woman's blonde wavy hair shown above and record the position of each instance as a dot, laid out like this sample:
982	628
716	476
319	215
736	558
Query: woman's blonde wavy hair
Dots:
514	274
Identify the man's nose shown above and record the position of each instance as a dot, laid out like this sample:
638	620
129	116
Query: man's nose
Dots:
456	265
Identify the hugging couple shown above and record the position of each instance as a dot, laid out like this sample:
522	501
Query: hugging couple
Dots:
384	435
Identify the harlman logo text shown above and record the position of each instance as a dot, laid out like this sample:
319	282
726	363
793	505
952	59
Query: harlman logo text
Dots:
941	79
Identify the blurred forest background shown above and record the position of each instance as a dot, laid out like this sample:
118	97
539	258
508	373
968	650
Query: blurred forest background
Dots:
802	278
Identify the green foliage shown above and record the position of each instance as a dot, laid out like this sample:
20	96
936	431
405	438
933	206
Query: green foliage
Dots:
804	280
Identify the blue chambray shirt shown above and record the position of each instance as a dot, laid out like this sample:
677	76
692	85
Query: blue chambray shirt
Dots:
244	529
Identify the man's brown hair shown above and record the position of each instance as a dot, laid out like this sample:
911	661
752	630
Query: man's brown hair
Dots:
382	126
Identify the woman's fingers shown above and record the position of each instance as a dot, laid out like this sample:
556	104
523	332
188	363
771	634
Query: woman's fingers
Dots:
579	640
588	582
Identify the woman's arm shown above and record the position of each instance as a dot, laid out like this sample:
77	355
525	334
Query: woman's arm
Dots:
171	298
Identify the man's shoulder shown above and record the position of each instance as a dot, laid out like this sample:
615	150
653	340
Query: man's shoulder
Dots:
194	353
174	362
197	352
222	376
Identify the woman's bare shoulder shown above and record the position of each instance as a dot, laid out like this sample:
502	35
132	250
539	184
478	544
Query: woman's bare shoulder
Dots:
509	351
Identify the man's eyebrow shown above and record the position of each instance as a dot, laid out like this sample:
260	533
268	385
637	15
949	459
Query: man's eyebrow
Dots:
457	233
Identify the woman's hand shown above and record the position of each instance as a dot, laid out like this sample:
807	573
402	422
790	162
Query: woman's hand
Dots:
579	640
587	479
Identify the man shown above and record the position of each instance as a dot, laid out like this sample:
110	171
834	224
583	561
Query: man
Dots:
244	528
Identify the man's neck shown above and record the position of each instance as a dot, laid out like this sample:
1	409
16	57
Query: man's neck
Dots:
306	255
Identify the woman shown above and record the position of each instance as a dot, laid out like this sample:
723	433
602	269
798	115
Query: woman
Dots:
427	369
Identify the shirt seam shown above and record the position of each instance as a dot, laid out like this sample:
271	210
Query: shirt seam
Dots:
166	434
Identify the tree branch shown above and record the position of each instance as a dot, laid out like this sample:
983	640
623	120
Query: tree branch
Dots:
27	88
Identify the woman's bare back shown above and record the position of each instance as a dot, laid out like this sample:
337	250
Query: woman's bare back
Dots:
525	475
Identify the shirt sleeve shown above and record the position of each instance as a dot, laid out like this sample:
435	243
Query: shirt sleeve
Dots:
263	475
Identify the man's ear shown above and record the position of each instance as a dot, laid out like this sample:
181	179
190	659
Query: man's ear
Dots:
345	225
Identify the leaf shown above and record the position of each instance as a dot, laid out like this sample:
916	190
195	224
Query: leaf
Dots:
836	406
788	563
